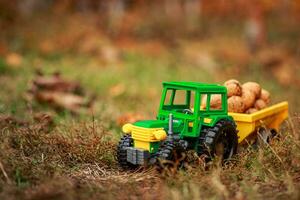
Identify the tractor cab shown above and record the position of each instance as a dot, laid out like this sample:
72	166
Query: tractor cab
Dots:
190	103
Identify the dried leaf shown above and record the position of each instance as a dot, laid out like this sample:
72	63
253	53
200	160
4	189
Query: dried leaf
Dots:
129	118
56	83
284	74
58	93
117	90
62	100
14	59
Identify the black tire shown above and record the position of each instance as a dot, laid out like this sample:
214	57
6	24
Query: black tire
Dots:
223	134
264	136
126	141
169	156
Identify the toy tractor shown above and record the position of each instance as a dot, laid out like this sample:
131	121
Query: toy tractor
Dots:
182	124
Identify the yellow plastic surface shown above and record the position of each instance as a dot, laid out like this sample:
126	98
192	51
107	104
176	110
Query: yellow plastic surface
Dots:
160	135
127	128
270	117
141	144
207	120
144	136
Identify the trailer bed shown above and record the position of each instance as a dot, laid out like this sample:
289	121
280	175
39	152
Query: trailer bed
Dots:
270	117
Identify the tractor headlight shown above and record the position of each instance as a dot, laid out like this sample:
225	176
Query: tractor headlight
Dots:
160	135
127	128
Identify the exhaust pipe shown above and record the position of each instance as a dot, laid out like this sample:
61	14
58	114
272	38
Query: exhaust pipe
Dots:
170	131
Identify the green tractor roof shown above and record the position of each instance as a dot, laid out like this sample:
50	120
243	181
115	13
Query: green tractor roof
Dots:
195	86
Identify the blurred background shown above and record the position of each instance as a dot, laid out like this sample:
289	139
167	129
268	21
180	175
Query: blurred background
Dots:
72	72
120	51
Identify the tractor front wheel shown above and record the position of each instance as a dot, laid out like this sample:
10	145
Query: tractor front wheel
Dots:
169	157
126	141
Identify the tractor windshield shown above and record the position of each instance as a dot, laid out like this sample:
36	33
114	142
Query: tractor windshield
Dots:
181	101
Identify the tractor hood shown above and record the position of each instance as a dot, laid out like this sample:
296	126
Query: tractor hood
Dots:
159	124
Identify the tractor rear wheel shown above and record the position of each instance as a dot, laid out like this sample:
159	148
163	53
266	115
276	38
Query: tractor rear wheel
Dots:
220	140
126	141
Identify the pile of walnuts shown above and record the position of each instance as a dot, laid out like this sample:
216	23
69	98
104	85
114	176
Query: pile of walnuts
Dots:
242	98
246	98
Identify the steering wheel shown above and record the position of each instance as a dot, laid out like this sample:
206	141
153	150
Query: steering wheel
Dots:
187	111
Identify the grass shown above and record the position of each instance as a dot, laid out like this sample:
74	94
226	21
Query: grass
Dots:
76	159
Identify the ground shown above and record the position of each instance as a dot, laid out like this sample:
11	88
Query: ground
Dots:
71	156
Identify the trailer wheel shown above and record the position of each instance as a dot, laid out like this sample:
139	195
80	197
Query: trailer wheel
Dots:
126	141
264	136
220	140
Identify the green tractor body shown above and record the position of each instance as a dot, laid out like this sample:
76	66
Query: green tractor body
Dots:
186	120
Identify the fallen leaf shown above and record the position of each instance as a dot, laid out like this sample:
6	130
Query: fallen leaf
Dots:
109	54
58	93
62	100
129	118
284	74
56	83
271	57
47	46
117	90
13	60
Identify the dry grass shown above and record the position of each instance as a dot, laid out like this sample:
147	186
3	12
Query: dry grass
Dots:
81	164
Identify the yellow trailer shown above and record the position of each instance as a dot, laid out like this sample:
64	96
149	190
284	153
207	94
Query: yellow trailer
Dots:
270	118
